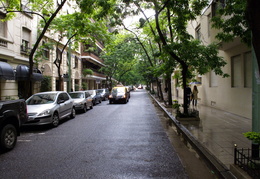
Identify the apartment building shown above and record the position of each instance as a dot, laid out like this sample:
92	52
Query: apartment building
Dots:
17	37
91	60
233	94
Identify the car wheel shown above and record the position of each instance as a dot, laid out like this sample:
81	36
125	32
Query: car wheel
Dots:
8	137
84	108
73	113
100	101
55	120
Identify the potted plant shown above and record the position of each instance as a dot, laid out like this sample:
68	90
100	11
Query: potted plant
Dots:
254	136
87	71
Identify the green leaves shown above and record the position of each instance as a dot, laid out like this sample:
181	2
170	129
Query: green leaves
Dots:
254	136
231	20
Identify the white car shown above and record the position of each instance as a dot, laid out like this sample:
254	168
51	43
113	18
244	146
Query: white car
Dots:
49	108
82	100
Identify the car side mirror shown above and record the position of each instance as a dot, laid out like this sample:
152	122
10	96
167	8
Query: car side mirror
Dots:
61	101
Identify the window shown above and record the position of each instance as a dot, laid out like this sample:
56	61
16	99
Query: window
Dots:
3	30
236	71
46	51
2	26
76	62
198	33
248	70
58	56
209	26
213	79
216	5
65	96
25	47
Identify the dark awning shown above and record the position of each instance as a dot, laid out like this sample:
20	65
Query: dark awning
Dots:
6	71
22	74
37	77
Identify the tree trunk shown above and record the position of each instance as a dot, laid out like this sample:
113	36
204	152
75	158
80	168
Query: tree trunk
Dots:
184	81
169	86
38	42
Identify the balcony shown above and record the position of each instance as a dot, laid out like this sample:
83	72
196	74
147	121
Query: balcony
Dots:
92	57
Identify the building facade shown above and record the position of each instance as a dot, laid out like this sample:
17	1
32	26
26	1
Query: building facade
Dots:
17	37
233	94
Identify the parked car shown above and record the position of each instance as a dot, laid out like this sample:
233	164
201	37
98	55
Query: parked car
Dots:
104	93
119	94
96	97
128	90
82	100
49	108
13	114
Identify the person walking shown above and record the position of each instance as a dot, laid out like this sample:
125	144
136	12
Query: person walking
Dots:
188	91
195	95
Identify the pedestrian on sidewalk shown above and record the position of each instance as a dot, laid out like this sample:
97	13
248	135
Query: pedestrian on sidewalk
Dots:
194	95
188	91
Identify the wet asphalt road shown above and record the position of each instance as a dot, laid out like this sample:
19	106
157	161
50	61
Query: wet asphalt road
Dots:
111	141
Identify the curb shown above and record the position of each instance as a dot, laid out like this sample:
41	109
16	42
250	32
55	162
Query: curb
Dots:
214	164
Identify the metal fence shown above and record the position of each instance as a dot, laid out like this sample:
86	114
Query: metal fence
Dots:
243	159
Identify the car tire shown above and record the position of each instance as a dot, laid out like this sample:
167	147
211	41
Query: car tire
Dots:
84	108
8	137
73	113
55	120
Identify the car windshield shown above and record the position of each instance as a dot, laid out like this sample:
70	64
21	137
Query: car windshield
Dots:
100	91
91	92
76	95
119	90
41	99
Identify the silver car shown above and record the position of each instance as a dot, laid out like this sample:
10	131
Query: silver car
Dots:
49	108
82	100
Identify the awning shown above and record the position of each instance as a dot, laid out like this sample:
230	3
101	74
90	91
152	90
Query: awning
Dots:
6	71
22	74
37	77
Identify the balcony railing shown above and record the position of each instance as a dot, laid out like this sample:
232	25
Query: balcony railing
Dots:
25	50
243	159
3	43
94	56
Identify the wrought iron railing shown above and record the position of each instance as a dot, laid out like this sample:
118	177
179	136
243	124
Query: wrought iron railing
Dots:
243	159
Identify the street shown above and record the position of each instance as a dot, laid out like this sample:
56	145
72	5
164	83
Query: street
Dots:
111	141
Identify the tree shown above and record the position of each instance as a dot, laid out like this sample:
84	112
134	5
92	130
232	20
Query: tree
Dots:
169	31
82	29
43	8
119	57
241	20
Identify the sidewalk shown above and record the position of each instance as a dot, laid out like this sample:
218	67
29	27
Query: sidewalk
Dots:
218	131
